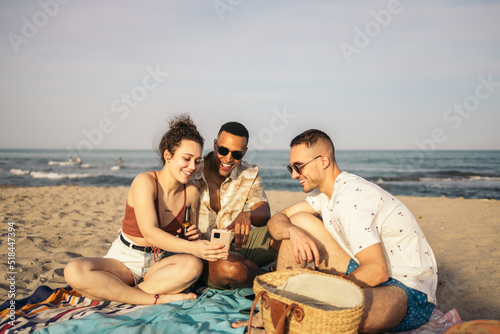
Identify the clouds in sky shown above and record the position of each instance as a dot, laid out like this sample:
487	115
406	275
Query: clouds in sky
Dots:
250	61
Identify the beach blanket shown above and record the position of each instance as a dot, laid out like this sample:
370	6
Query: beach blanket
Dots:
65	311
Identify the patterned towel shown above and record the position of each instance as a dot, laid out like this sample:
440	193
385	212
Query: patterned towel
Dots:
65	311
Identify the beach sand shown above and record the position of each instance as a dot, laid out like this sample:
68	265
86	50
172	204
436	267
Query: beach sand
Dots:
56	224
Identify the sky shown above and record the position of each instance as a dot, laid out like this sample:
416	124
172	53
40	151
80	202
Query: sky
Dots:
86	75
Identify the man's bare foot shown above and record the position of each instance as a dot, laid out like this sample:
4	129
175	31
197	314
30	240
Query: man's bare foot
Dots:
257	322
163	299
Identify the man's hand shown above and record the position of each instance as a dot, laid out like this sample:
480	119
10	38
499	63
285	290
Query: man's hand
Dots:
241	228
303	246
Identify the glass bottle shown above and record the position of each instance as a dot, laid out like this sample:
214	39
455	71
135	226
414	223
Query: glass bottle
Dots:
186	223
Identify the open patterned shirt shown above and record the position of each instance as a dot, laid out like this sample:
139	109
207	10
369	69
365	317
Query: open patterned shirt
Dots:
239	192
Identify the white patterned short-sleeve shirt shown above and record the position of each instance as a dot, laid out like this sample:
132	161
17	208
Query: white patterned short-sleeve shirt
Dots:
361	214
239	192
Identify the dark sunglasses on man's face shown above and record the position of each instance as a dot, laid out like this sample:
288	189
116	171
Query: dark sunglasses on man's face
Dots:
237	155
298	168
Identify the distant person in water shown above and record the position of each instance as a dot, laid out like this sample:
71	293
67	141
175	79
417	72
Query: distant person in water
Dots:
147	263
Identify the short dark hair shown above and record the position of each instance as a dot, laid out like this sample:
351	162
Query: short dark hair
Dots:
312	137
234	128
182	128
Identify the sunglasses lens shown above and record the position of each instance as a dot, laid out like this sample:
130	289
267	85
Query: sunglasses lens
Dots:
237	155
223	151
292	168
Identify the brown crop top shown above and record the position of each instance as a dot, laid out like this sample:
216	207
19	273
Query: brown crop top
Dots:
129	222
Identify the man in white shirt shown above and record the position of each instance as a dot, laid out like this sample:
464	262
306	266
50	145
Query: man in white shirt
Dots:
351	227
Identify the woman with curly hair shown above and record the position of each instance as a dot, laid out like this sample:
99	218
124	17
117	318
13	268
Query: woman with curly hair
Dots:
148	263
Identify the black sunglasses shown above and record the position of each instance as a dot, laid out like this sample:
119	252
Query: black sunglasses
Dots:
299	168
237	155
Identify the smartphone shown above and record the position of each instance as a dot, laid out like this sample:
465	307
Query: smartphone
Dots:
221	237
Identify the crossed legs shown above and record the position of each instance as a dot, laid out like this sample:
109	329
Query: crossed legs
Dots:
109	279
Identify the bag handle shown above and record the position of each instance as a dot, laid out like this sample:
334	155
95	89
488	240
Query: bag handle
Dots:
299	315
279	326
266	303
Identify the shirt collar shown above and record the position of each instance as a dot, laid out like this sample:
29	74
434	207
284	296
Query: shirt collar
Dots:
200	175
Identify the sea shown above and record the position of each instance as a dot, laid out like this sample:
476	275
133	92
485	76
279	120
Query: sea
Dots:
468	174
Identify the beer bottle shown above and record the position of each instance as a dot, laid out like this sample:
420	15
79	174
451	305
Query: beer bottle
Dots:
186	223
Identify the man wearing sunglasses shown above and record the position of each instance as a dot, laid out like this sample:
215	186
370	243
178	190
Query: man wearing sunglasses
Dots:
232	197
351	227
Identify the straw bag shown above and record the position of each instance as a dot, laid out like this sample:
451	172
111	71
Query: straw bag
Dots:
304	301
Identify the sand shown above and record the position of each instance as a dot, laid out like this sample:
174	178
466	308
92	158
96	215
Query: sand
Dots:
56	224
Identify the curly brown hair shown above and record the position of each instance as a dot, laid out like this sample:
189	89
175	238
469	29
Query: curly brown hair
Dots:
181	127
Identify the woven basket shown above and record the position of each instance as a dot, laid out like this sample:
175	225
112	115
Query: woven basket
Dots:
311	302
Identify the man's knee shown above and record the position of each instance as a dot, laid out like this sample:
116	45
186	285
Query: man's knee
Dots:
235	270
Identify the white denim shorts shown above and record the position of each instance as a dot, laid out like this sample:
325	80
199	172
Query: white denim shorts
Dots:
136	261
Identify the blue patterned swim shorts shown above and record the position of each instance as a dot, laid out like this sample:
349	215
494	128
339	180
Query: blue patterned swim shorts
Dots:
419	309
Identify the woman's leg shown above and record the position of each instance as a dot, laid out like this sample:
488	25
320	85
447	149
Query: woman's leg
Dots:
172	275
109	279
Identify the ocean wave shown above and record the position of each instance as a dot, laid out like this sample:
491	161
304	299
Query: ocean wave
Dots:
57	176
487	178
455	179
16	171
63	163
474	178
